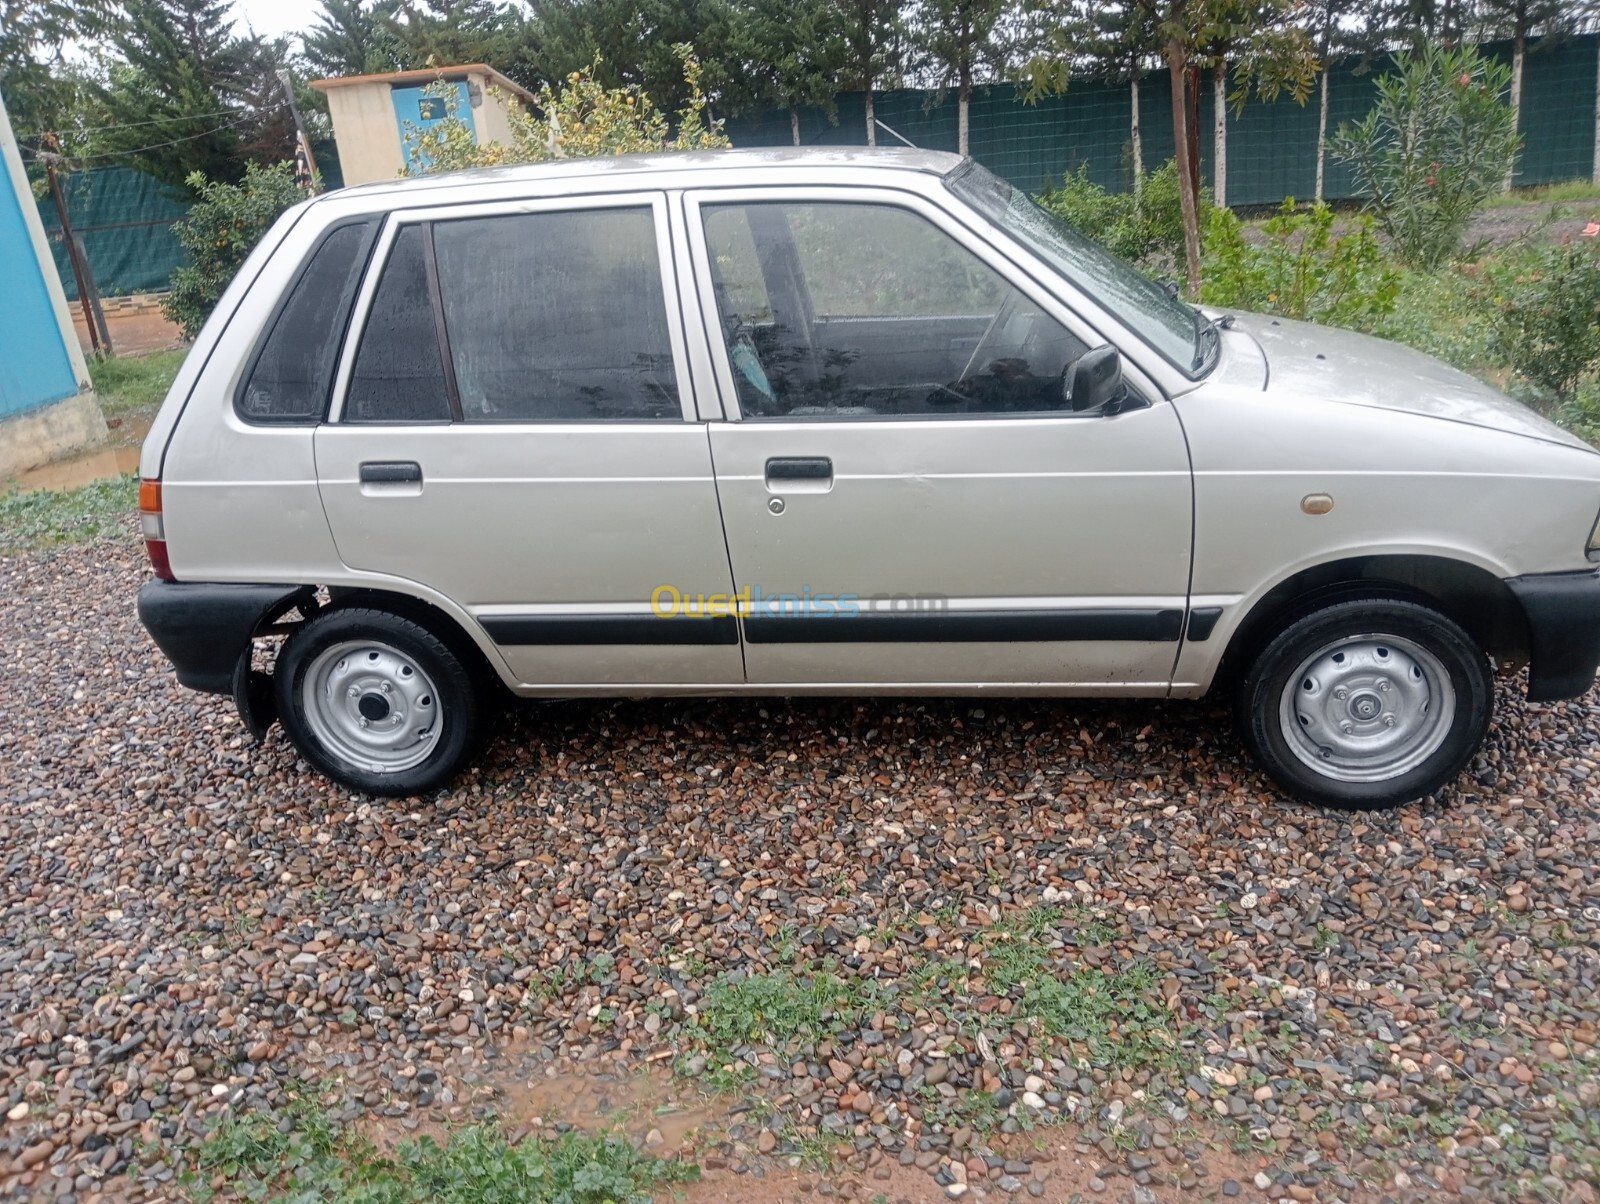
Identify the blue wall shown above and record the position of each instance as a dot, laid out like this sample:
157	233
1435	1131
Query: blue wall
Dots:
34	368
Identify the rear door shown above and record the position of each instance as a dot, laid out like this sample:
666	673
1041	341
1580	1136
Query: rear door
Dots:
909	498
514	429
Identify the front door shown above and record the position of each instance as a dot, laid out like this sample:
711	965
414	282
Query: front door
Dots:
514	431
908	497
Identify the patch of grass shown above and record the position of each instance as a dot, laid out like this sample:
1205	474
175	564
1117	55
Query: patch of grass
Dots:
49	518
126	383
1554	194
1448	315
302	1155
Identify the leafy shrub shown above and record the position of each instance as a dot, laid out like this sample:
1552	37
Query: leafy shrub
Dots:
1149	225
222	228
1547	327
581	119
1300	268
1433	149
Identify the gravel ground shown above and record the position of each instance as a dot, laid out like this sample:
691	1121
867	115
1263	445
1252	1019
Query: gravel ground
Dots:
902	935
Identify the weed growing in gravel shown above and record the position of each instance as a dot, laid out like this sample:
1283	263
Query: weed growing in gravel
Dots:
49	518
778	1007
303	1156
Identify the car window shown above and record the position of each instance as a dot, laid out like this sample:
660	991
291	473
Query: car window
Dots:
870	310
293	372
557	316
399	373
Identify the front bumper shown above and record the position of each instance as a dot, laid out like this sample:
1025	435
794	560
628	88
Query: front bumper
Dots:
1563	611
205	629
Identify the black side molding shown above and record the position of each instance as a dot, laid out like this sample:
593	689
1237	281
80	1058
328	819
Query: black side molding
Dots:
204	629
1563	612
971	626
611	629
1202	622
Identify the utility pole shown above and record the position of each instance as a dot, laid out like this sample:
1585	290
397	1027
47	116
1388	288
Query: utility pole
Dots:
88	296
299	127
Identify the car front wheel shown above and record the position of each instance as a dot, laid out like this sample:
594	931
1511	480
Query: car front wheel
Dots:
1367	703
376	702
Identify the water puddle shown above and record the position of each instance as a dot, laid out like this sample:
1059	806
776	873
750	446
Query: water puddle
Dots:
84	469
96	464
646	1107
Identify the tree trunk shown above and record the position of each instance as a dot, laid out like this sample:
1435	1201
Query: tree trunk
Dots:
1595	170
1322	132
1191	97
1519	55
1219	143
872	118
964	108
1188	193
1138	137
794	124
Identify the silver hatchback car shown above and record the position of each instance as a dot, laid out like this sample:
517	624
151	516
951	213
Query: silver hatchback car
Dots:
831	421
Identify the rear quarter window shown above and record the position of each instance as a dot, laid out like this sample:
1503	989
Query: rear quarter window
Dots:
292	375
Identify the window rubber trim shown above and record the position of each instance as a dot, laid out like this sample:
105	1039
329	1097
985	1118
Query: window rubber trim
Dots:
452	391
347	301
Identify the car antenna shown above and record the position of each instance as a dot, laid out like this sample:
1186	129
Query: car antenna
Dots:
895	133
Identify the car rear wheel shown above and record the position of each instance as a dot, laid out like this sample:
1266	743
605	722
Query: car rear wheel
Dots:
377	702
1367	703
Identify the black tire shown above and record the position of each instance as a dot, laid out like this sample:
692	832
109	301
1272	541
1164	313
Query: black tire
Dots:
1362	645
439	726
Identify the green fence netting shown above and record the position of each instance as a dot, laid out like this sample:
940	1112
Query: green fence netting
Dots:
1272	147
124	218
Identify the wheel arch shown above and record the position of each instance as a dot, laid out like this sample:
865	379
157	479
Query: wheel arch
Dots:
1471	596
444	626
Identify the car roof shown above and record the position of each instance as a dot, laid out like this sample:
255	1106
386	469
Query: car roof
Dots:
615	166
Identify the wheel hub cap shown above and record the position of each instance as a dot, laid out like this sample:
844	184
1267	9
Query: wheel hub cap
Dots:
372	705
1367	708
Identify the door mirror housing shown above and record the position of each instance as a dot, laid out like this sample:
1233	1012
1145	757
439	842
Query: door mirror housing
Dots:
1095	381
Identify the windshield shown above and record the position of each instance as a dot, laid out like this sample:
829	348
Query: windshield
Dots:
1179	333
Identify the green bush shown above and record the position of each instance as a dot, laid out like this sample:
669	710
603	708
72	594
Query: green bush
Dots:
1547	328
222	228
1149	226
1433	149
1300	268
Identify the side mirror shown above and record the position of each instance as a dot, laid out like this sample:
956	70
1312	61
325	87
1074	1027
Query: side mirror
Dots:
1096	380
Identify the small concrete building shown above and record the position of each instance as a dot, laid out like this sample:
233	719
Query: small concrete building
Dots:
47	403
371	113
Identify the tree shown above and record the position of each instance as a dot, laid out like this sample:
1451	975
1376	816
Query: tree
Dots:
41	86
1272	56
959	39
174	97
445	33
352	37
1520	20
633	42
873	34
783	54
1114	41
1335	27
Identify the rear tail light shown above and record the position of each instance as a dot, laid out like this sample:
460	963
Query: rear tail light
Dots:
155	531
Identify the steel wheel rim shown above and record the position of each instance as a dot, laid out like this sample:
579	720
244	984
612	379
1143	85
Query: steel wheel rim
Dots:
372	705
1367	708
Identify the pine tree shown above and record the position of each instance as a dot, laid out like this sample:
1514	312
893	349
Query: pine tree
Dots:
177	96
351	37
783	54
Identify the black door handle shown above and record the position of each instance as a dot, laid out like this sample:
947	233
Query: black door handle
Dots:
391	472
800	468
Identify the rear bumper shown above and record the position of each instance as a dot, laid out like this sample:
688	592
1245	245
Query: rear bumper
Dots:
204	629
1563	611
